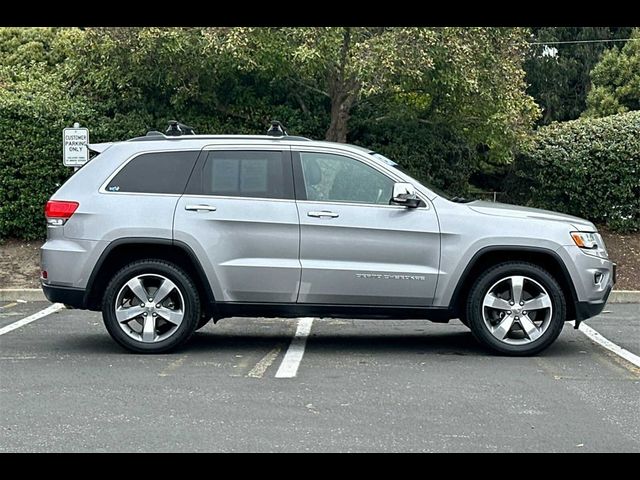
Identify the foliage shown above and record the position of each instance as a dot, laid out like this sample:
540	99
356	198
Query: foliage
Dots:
32	113
558	74
587	167
184	73
35	106
446	103
469	79
434	155
616	80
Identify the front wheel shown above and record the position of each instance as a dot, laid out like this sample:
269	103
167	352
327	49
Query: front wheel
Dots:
151	306
516	308
204	320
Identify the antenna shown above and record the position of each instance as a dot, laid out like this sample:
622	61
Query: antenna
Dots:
277	129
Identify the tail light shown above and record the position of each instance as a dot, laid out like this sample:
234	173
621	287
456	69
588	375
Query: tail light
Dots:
58	212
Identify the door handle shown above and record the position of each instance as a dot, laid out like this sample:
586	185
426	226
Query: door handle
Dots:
323	214
207	208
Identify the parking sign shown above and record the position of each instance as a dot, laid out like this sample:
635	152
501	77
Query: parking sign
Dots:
75	143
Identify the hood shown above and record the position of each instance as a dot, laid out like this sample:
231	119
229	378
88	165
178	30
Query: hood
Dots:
506	210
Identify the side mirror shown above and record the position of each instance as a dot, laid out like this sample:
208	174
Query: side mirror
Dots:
405	194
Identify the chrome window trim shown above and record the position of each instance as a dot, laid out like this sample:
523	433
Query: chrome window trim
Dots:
244	146
227	197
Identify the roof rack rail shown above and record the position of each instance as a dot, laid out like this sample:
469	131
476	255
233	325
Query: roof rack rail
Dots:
177	129
277	129
156	138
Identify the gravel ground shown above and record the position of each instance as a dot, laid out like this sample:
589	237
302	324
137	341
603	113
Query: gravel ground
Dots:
19	263
625	251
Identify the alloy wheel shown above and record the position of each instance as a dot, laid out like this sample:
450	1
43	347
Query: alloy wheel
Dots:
149	308
517	310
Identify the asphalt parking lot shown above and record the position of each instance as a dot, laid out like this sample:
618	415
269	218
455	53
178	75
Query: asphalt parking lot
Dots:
360	386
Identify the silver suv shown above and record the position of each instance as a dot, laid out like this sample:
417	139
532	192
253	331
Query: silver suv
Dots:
163	233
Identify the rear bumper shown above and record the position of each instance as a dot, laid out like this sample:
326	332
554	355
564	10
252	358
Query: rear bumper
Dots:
71	297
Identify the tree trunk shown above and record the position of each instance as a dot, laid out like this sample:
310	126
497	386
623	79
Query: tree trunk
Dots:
340	113
342	91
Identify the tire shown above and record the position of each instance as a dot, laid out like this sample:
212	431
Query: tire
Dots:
171	322
505	326
202	322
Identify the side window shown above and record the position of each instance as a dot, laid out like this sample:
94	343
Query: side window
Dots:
336	178
161	172
258	174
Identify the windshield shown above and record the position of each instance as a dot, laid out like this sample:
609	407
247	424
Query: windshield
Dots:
397	166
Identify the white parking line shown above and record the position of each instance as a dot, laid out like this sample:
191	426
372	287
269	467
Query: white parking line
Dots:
32	318
258	370
293	357
609	345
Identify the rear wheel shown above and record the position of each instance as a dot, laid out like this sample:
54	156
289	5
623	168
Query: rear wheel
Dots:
151	306
516	308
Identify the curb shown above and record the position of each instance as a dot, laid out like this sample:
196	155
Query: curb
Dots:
624	296
36	295
26	294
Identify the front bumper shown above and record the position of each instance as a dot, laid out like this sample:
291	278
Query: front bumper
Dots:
590	309
586	310
592	279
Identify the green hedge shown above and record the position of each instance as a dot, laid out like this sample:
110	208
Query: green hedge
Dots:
30	160
32	117
587	167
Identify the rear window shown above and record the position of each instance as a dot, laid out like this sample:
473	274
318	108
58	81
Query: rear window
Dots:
253	174
160	172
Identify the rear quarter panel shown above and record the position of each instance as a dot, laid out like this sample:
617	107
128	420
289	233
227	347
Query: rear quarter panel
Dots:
102	217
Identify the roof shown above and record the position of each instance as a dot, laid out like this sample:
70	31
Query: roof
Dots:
161	142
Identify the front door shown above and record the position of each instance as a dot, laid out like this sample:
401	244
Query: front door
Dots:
239	216
356	248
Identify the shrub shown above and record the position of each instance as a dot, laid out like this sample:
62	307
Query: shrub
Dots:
587	167
32	116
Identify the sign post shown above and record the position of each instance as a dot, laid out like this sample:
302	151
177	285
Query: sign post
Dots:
75	146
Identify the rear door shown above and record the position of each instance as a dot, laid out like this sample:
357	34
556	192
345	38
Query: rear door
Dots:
355	248
240	217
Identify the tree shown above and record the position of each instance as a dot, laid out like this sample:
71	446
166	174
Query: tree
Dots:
155	74
558	73
468	77
428	97
616	80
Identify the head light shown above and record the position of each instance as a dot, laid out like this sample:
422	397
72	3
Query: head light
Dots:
590	243
585	240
